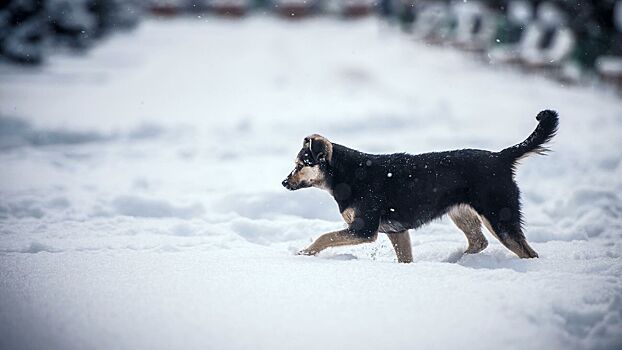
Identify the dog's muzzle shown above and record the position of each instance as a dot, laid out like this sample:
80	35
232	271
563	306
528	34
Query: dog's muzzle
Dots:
287	185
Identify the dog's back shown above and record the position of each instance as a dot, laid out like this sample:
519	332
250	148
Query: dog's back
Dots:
411	190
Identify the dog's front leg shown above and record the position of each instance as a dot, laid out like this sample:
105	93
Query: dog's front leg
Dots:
336	239
362	228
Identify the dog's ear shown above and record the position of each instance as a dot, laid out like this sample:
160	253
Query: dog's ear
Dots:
321	149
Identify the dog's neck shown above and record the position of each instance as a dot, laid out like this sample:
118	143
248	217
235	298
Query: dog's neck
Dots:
339	170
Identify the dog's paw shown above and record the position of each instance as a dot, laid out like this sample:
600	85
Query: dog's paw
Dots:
306	252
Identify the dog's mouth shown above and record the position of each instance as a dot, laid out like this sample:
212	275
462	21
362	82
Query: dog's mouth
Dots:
288	185
295	186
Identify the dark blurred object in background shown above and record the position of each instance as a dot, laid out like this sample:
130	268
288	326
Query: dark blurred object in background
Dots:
572	41
21	30
30	28
569	40
294	9
609	64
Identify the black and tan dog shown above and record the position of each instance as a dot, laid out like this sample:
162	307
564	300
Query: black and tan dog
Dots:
397	192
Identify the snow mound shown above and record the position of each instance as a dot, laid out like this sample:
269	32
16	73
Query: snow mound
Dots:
153	208
15	132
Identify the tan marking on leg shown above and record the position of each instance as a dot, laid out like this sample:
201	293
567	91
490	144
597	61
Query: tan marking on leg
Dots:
401	244
489	227
334	239
528	251
468	221
520	247
348	215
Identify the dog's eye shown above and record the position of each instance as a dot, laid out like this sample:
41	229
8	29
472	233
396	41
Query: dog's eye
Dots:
307	162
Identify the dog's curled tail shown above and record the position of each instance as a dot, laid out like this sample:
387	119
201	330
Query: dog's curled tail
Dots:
535	143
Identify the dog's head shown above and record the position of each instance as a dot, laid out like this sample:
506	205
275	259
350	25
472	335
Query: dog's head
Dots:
311	164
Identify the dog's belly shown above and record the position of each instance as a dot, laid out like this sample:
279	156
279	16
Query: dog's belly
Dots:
393	226
408	219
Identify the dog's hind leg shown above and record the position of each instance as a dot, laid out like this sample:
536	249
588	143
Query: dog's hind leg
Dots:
511	236
502	217
468	222
401	244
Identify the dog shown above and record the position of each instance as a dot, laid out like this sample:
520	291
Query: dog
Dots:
394	193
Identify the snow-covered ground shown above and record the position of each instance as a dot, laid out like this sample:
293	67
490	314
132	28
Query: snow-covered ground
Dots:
141	204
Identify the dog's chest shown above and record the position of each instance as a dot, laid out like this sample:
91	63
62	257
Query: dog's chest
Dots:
387	225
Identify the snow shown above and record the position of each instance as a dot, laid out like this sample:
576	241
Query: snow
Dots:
141	204
520	11
609	65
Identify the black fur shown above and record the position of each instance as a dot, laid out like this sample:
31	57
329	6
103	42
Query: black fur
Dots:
545	131
396	192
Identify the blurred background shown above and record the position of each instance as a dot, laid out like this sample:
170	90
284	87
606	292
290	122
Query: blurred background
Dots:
573	41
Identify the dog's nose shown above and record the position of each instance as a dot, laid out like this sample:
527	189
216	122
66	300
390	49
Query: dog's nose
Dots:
285	184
